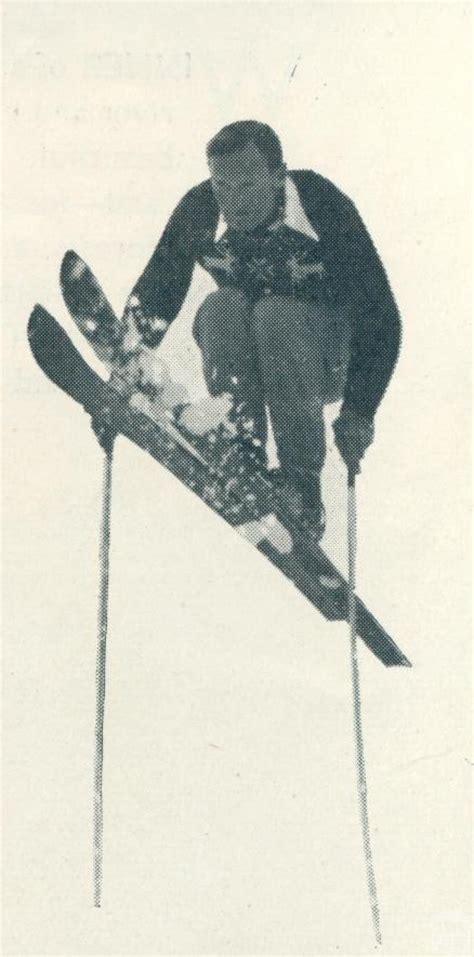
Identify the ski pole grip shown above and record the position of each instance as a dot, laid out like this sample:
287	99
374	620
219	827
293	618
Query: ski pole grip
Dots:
351	476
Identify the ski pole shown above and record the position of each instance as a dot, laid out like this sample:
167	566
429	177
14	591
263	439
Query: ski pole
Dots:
356	701
102	615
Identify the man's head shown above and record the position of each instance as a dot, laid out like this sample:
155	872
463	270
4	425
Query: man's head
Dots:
247	173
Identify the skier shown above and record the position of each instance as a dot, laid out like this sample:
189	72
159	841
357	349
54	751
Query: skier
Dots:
303	314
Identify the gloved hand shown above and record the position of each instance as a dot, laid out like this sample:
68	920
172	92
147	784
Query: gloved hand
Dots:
104	433
353	433
111	404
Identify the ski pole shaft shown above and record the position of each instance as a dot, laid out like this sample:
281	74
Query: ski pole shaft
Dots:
357	709
102	616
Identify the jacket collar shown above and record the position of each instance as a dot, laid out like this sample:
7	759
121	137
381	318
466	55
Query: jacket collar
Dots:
293	214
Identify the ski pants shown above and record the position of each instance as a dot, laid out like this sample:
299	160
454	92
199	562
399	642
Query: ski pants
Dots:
282	354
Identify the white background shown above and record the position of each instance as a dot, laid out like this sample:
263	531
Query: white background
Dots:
231	812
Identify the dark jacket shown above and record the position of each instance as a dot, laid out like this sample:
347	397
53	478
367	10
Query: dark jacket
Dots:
350	260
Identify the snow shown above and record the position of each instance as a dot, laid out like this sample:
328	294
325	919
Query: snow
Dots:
174	394
142	403
132	338
158	325
78	269
151	370
268	528
207	415
329	581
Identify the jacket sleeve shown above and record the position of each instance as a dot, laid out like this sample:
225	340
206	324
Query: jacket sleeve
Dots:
160	291
363	293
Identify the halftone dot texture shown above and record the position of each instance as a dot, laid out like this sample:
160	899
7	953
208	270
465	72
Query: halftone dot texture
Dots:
357	712
296	321
101	660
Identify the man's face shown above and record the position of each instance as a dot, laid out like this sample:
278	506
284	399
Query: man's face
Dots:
246	190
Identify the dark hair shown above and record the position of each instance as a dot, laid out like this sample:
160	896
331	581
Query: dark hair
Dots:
236	136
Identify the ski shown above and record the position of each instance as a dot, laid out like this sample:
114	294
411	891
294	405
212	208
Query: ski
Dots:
219	470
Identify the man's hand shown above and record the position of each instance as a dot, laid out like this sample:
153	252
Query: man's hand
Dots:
353	434
140	372
111	406
104	433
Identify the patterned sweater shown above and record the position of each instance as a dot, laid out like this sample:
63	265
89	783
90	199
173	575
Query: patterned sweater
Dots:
355	279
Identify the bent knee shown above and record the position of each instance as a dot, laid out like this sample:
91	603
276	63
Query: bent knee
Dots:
224	300
221	307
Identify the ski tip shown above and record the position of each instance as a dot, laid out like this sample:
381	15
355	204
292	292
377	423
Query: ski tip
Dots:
69	256
72	267
38	316
45	335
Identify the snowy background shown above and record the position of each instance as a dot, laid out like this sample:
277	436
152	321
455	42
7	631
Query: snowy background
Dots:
231	813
